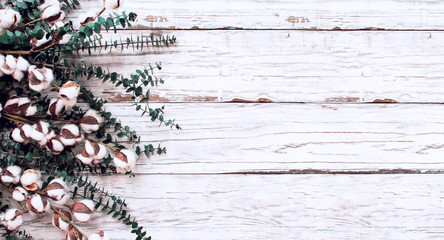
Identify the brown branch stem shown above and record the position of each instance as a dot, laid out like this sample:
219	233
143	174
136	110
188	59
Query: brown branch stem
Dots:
115	149
28	23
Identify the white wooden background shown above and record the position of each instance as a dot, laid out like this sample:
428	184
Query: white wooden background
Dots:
301	120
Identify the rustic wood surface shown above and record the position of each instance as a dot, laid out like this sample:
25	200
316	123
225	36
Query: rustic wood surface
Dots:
301	120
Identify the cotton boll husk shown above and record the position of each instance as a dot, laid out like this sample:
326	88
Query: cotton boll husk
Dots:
58	191
84	159
9	66
58	222
22	64
11	174
19	194
56	107
38	205
55	145
29	177
17	135
12	219
83	209
125	160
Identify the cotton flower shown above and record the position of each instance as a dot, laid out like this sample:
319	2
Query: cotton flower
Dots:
38	204
15	67
30	180
12	219
91	121
69	92
39	78
58	191
11	174
56	107
19	194
42	132
8	19
52	11
92	153
58	222
112	4
21	106
22	133
83	209
70	135
99	236
73	234
125	160
55	145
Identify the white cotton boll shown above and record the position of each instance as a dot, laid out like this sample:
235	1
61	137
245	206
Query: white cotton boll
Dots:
55	145
89	148
27	130
11	174
69	92
58	222
125	160
29	177
70	135
19	194
12	219
112	4
51	11
22	64
58	191
38	204
83	209
84	159
9	18
31	111
101	154
56	107
18	75
91	121
36	135
9	66
16	135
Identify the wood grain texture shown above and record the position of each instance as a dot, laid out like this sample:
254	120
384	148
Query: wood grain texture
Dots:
275	207
283	14
235	137
287	66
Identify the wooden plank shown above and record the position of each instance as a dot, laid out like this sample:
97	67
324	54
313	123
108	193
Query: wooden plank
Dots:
275	207
288	66
283	14
235	137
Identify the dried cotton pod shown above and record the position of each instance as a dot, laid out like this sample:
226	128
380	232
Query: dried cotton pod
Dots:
12	219
92	153
9	18
83	209
15	67
73	234
20	106
91	121
56	107
19	194
58	191
70	135
39	78
11	174
30	180
55	145
58	222
69	93
38	204
42	132
44	42
99	236
52	11
22	133
125	160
